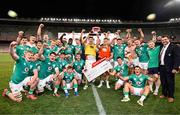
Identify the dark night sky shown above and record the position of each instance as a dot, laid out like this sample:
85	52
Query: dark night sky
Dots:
123	9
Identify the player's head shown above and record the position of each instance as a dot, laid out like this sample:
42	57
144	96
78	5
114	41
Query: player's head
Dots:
151	44
52	56
119	41
137	70
137	42
78	41
24	41
53	43
59	43
35	57
70	41
91	40
32	39
28	55
46	37
165	39
130	42
39	44
78	56
106	41
69	69
62	55
119	60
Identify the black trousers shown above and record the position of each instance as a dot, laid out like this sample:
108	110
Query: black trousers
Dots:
167	82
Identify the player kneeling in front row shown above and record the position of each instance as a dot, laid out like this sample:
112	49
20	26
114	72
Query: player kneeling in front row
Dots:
120	70
138	86
20	77
69	81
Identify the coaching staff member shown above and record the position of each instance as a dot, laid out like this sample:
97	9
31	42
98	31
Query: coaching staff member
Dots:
169	64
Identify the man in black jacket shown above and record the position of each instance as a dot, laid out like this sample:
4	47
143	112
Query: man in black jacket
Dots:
169	64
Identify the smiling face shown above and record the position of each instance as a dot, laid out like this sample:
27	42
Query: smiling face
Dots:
32	39
165	40
23	41
52	57
78	57
119	60
28	56
137	70
151	44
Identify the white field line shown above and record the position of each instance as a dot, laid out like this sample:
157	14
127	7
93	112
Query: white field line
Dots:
98	101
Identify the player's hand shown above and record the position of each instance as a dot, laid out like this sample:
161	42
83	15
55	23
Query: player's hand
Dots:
83	30
139	29
13	44
119	31
20	34
174	71
153	32
41	25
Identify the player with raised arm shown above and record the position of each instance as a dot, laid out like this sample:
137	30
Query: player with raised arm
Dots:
20	76
48	73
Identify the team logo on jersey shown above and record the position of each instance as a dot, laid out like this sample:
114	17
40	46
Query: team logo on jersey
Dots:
50	68
121	71
78	67
26	69
138	83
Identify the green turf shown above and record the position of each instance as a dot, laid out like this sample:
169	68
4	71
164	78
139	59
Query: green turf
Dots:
45	104
111	101
83	104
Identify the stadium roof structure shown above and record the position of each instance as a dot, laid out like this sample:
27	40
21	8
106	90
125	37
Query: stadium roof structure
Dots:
125	10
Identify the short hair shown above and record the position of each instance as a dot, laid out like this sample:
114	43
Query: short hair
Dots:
119	58
165	36
78	54
53	53
119	38
69	67
106	38
137	67
40	41
29	51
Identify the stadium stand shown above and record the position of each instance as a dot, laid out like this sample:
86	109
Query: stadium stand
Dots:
9	29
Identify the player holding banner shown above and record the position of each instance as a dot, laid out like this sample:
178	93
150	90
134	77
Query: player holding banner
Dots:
90	53
105	51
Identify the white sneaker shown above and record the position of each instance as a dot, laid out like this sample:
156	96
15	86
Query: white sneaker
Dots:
85	87
125	99
107	84
151	90
100	85
155	93
140	103
48	87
